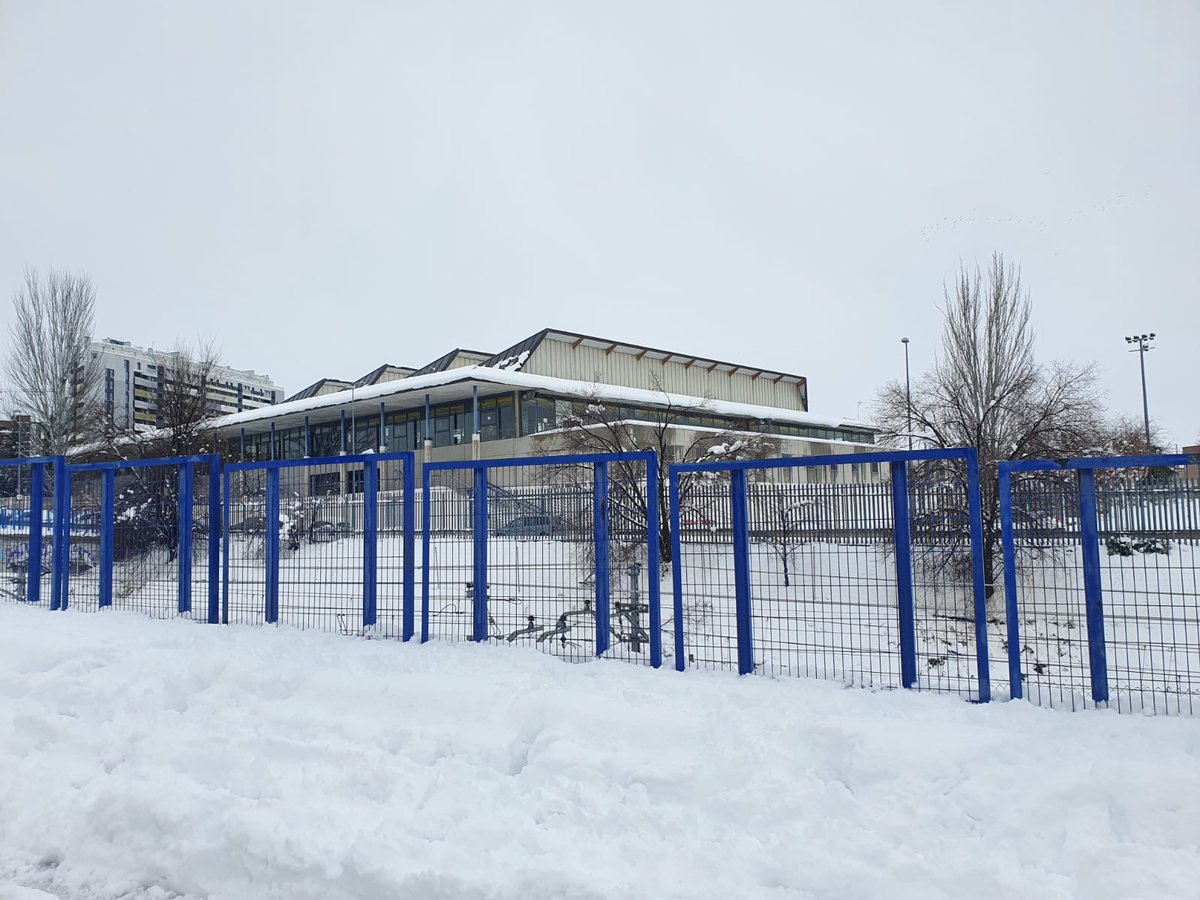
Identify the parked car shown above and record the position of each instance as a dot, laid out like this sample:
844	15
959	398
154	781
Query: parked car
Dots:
534	526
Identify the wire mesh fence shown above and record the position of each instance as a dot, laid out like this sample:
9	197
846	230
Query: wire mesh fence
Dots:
1103	584
28	506
774	571
780	574
322	543
559	554
142	537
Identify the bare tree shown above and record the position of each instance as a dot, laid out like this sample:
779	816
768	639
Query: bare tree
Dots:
147	501
50	369
184	403
988	391
592	426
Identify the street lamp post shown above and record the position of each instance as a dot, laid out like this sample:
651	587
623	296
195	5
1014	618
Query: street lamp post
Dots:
1143	347
907	392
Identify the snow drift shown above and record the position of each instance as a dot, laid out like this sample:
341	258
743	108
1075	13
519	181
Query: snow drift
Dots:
170	759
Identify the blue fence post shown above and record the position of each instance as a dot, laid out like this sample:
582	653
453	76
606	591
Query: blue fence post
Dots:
57	586
904	581
426	519
600	538
741	572
654	598
676	570
370	540
64	600
1093	591
225	551
1011	612
272	546
108	479
409	524
37	489
479	630
979	589
183	520
214	547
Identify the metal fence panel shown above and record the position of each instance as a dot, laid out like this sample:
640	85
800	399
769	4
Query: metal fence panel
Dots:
777	574
322	543
29	513
557	553
1102	582
143	535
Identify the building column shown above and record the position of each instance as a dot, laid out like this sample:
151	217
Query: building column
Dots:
475	416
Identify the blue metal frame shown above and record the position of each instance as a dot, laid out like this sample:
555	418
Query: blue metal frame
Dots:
108	480
370	573
479	468
1092	588
906	610
370	463
676	572
37	488
184	523
600	536
741	571
1086	467
899	460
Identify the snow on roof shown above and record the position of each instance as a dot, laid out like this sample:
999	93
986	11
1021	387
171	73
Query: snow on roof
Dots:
485	375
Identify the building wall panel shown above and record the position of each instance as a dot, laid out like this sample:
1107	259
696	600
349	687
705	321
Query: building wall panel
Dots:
590	364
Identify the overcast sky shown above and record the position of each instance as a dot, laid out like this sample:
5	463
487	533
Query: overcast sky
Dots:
323	187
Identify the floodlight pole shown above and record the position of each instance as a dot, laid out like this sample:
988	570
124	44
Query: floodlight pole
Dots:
1143	347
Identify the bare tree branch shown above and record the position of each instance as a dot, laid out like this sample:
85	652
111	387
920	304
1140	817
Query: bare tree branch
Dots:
49	368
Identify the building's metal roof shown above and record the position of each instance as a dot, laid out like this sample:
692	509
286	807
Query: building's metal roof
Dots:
444	362
508	358
314	389
375	376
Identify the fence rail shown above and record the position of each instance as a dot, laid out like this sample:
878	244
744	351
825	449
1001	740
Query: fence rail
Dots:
1085	593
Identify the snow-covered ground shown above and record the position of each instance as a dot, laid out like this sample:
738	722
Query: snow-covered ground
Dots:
169	759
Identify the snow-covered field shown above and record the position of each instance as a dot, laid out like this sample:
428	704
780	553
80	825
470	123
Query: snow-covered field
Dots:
169	759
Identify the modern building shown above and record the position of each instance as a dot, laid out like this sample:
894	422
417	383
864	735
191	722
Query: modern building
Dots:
471	404
134	379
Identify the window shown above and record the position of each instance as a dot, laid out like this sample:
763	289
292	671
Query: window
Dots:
497	418
355	479
324	484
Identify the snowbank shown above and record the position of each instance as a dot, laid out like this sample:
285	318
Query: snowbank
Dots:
169	759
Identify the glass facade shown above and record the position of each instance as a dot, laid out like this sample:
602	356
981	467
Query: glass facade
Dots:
499	417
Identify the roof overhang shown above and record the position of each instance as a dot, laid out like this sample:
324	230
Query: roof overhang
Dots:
458	384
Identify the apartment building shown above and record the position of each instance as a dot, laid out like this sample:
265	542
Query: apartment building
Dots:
134	378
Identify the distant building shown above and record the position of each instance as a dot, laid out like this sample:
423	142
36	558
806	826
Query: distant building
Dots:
470	403
134	379
1192	472
16	437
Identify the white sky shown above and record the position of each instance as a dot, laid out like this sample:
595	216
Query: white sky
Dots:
323	187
